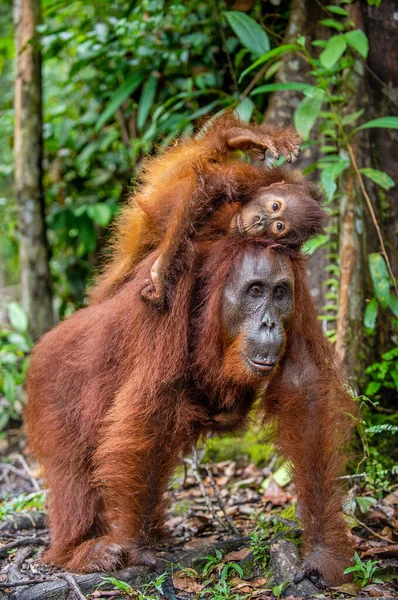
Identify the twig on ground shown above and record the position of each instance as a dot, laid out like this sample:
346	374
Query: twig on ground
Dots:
27	470
71	580
22	583
373	532
355	476
194	464
14	571
30	541
220	503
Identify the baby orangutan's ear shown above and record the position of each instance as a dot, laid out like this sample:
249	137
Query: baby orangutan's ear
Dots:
273	185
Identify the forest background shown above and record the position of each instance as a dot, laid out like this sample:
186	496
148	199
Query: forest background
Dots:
120	79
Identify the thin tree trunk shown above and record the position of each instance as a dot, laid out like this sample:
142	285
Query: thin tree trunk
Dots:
35	276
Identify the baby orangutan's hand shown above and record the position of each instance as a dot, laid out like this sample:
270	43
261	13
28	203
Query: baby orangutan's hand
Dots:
155	292
259	139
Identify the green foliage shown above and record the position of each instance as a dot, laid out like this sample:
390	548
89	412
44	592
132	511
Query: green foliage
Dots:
21	503
363	572
15	346
383	374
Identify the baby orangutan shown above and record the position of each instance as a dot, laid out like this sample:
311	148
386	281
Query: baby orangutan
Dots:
284	213
197	189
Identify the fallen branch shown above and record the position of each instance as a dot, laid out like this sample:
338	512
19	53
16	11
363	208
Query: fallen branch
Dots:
31	541
71	580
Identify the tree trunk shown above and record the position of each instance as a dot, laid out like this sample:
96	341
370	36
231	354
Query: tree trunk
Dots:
35	276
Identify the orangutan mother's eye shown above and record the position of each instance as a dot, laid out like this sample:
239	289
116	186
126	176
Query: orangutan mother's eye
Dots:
275	206
255	289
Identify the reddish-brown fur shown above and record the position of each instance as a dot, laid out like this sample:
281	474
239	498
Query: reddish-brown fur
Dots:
182	187
120	390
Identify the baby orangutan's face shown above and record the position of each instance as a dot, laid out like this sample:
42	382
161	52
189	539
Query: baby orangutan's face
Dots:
280	211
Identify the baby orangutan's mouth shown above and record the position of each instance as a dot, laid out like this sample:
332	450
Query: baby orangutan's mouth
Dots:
239	224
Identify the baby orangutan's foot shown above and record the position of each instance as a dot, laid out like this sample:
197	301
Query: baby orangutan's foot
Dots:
323	568
275	138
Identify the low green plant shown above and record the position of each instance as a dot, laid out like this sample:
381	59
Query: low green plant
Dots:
22	502
15	345
363	572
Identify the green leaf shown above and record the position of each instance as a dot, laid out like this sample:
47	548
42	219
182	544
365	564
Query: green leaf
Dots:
348	119
332	23
307	113
393	304
18	317
245	109
280	87
271	54
379	274
334	49
123	92
251	35
358	40
379	177
314	243
372	388
101	213
328	183
365	502
387	122
146	100
370	316
9	387
337	10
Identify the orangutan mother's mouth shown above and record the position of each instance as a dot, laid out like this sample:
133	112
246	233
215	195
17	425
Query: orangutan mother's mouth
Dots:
239	224
260	364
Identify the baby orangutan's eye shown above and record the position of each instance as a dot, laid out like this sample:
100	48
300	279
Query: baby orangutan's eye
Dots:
280	226
275	206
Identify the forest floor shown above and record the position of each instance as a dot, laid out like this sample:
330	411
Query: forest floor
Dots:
233	534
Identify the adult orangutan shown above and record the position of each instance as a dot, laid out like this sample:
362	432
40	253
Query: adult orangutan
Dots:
200	176
120	390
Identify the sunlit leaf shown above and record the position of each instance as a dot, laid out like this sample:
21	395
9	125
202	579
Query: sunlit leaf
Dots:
334	49
146	100
268	55
250	33
337	10
380	278
358	40
332	23
307	113
370	316
379	177
101	213
18	317
9	387
280	87
314	243
121	94
245	109
387	122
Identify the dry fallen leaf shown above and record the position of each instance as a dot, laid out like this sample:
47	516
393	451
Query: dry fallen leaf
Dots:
187	584
348	588
382	551
274	493
237	555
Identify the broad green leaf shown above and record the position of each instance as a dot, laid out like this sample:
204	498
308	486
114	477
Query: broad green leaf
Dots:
307	113
121	94
9	387
332	23
314	243
348	119
334	49
387	122
358	40
337	10
372	388
380	278
18	317
365	502
280	87
328	183
370	316
101	213
245	109
251	35
393	304
379	177
268	55
146	100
